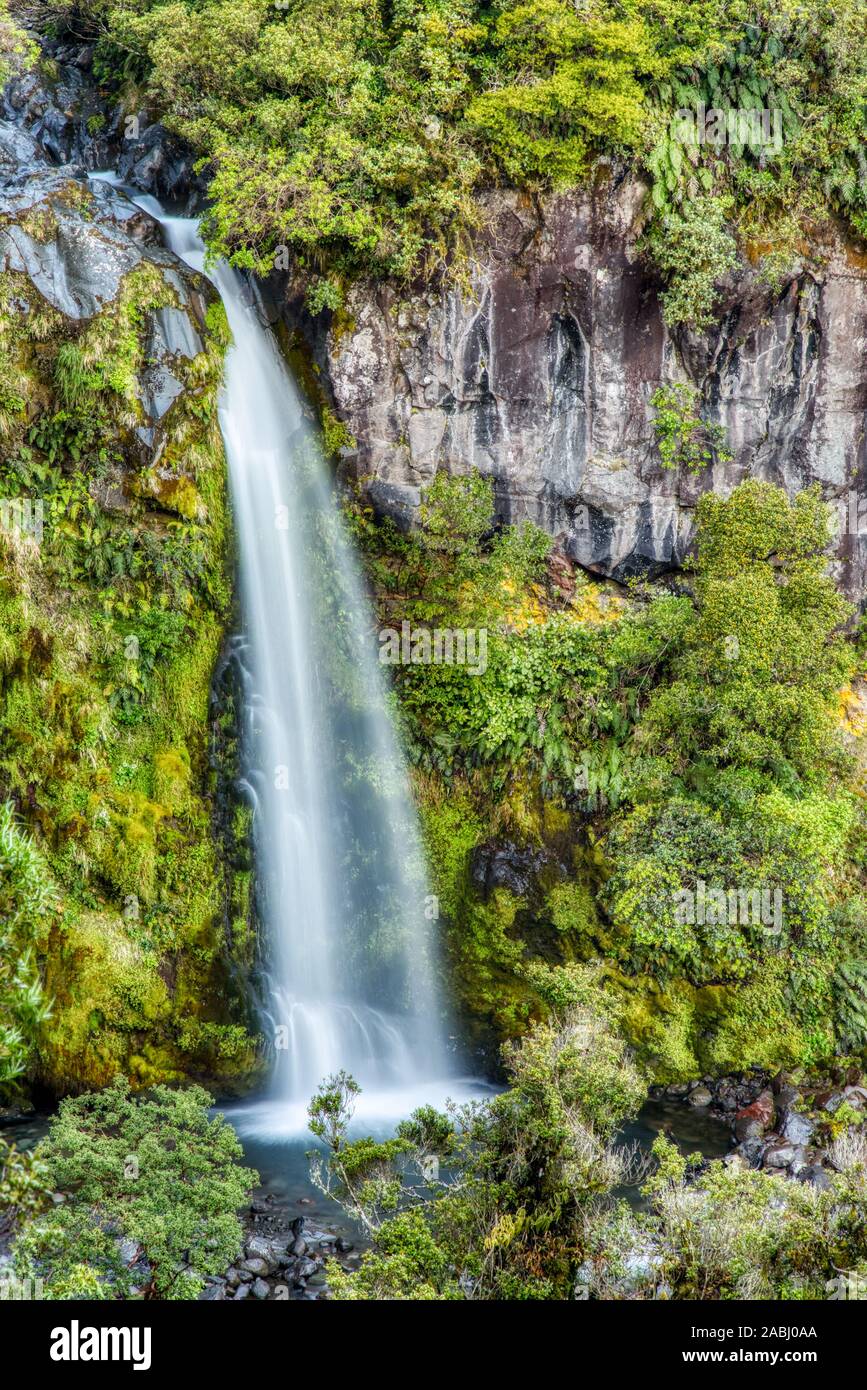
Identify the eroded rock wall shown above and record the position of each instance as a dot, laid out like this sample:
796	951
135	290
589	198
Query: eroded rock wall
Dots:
539	370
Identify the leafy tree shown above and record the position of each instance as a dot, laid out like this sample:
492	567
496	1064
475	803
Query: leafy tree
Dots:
754	684
694	249
682	436
457	511
152	1170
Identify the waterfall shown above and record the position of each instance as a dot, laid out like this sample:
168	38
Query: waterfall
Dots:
341	887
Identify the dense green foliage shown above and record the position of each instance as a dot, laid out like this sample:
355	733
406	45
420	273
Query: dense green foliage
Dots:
25	897
643	751
24	1185
683	438
152	1187
357	135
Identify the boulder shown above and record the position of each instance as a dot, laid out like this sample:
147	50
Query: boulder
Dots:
259	1248
700	1097
753	1120
782	1155
798	1129
815	1175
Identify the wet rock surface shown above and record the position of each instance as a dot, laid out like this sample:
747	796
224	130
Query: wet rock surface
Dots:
283	1259
785	1125
75	239
503	864
71	120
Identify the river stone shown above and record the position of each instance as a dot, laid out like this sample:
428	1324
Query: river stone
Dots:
700	1097
753	1120
258	1248
751	1150
798	1129
304	1269
255	1265
260	1289
782	1155
815	1175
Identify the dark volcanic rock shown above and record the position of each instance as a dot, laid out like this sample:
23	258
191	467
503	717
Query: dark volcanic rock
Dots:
503	864
76	239
541	376
815	1175
755	1119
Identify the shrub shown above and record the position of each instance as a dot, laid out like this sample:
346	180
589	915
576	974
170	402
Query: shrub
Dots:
152	1186
457	511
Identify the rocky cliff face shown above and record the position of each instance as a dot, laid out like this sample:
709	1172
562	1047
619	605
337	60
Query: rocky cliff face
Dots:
539	372
71	123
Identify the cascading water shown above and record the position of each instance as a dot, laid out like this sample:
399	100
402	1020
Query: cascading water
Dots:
341	885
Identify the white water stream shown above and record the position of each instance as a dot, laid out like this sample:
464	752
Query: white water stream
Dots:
340	881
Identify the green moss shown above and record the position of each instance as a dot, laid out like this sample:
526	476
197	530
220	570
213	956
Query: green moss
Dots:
756	1025
451	827
107	990
572	908
335	435
111	633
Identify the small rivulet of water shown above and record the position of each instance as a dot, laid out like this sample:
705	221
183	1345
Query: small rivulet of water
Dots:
341	885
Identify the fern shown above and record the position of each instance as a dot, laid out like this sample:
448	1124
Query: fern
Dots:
850	989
